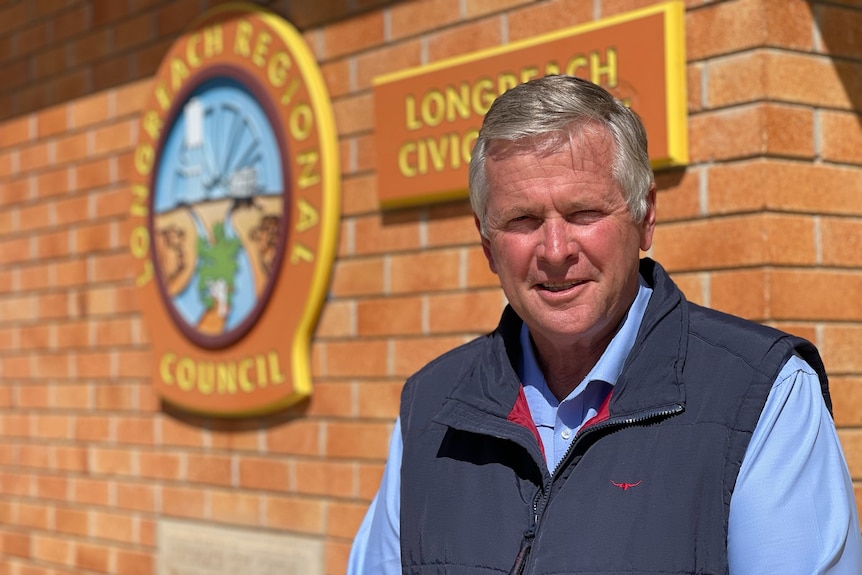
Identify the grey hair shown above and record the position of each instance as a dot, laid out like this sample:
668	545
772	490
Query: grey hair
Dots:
562	106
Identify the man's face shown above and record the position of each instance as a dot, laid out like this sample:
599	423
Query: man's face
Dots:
562	240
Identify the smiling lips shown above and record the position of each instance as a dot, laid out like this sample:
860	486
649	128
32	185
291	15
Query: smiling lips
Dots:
559	286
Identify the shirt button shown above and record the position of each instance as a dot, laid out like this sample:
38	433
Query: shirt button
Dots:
567	433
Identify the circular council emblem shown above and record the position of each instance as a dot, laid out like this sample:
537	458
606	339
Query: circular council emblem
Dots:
235	206
218	210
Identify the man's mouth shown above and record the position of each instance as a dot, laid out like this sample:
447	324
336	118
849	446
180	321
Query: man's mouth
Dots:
558	286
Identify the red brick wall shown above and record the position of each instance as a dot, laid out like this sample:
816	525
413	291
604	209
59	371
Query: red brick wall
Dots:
765	222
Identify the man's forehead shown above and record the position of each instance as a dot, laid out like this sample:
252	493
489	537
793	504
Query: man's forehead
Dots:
586	139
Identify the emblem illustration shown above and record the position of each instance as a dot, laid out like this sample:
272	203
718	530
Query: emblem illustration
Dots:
218	212
235	199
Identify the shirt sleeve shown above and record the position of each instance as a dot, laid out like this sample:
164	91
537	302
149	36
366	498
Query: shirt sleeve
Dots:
793	510
377	546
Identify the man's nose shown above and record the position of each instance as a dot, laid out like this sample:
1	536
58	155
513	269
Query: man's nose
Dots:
557	243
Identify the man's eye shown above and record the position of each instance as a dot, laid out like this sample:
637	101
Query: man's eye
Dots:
527	221
585	216
522	223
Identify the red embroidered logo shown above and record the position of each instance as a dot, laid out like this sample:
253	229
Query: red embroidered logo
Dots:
626	486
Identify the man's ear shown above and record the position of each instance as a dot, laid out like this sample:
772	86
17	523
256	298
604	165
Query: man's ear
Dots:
648	225
486	244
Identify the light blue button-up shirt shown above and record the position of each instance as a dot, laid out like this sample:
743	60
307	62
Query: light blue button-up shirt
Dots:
792	512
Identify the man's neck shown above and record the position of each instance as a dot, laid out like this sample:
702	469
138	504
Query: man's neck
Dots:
569	366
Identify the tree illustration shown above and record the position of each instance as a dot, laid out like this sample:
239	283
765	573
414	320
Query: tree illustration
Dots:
218	266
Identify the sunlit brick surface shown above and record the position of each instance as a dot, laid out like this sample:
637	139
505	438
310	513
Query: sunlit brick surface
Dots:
765	222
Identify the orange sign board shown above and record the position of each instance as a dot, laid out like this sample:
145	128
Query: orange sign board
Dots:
427	118
234	213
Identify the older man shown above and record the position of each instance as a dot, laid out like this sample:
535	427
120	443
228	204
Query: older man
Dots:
607	425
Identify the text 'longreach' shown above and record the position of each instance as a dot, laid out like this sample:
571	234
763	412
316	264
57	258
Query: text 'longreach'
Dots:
428	118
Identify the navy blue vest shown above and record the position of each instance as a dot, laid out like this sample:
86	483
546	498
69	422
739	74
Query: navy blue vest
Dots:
647	490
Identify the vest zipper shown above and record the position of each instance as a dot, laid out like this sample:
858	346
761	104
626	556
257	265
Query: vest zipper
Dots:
527	541
623	422
519	568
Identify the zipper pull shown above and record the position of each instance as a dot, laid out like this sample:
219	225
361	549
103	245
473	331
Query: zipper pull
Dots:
524	552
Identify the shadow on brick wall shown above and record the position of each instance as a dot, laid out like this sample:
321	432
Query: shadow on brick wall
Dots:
239	424
838	28
54	52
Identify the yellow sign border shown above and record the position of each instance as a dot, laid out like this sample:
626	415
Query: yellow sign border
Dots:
331	215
